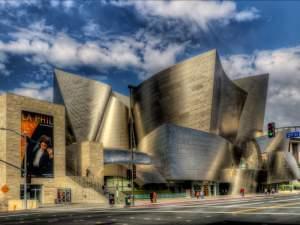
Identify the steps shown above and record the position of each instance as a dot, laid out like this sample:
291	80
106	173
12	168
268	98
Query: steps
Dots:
88	182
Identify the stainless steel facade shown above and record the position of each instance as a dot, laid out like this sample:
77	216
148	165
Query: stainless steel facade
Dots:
94	111
191	121
181	153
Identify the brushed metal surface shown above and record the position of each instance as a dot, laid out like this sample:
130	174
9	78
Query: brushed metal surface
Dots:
181	94
195	93
85	102
252	118
114	133
123	156
227	104
94	112
278	161
186	154
189	119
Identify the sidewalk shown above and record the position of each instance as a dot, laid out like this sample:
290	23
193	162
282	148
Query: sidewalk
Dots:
207	199
147	204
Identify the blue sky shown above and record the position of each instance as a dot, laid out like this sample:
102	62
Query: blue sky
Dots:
125	42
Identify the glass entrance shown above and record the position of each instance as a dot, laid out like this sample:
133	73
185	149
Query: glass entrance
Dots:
34	192
64	195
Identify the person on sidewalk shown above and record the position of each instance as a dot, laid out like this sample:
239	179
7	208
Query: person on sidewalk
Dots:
242	192
154	197
273	191
197	194
151	197
202	194
266	191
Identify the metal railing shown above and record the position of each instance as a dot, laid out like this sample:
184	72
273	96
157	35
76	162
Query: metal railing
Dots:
89	182
161	195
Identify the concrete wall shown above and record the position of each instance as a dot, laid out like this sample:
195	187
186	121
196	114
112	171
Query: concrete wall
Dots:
11	152
11	107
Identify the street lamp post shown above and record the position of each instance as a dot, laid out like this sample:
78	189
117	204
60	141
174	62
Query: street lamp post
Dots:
132	141
25	162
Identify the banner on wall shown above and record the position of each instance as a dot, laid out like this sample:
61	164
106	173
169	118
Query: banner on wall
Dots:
40	152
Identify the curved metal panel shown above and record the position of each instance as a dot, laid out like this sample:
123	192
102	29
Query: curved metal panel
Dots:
195	93
252	118
278	160
227	104
181	153
181	94
85	102
114	133
121	156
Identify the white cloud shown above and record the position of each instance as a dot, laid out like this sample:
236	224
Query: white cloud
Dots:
35	85
247	15
3	69
35	90
157	59
17	3
200	13
91	29
66	5
40	46
283	65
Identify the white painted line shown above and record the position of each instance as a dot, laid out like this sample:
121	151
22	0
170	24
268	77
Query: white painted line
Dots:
14	215
207	212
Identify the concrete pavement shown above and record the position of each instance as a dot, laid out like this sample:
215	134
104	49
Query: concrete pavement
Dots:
276	209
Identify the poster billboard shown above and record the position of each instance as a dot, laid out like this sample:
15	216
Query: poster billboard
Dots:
40	153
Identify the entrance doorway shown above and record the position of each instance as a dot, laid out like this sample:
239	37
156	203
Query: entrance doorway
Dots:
34	192
64	195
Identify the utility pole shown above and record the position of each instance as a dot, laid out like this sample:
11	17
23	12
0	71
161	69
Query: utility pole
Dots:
25	162
132	141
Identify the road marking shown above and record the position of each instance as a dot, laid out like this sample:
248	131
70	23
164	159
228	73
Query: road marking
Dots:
14	215
264	207
131	217
203	212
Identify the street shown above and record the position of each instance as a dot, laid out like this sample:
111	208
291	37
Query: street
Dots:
259	210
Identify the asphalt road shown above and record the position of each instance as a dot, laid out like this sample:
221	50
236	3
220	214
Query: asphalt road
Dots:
261	210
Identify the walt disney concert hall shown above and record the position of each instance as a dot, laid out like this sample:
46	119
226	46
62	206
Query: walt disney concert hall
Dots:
185	129
193	126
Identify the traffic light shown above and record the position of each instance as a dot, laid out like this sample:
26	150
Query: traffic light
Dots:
128	174
134	171
271	130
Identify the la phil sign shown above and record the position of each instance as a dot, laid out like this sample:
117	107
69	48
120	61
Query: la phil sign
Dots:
293	134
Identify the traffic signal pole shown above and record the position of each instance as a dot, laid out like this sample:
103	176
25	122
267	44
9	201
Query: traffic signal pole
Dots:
25	162
132	143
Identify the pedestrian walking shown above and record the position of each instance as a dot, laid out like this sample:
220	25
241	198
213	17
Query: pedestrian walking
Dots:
197	194
273	191
202	194
151	197
242	192
266	191
154	197
111	199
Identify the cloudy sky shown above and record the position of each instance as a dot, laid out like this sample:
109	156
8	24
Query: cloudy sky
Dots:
122	42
